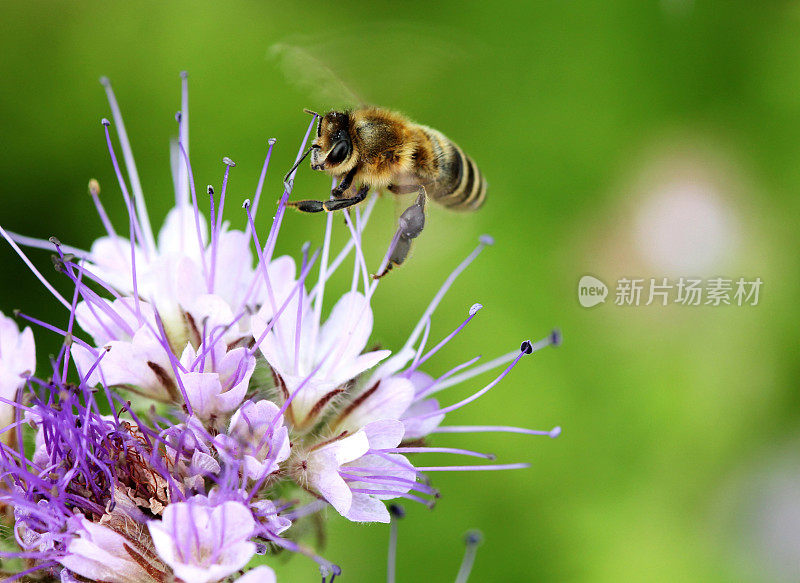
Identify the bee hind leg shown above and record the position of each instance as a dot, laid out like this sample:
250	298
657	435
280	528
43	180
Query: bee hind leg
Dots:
410	225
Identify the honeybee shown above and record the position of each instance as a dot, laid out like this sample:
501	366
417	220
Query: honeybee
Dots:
373	148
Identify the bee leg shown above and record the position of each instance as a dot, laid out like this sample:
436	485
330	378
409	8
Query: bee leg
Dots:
399	254
343	203
307	206
344	185
412	221
316	206
410	225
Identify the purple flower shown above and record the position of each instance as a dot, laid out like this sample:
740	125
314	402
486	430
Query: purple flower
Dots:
101	554
215	383
204	543
257	437
354	475
319	358
200	395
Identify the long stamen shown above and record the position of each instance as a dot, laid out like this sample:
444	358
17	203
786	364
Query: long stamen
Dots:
347	247
216	222
323	276
552	339
360	262
185	179
262	263
276	224
134	224
299	318
484	241
473	540
130	164
418	362
467	452
35	271
434	386
51	328
524	349
295	290
46	244
39	567
520	466
397	512
259	188
196	209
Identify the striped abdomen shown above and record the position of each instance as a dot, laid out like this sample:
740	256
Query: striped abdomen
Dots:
458	183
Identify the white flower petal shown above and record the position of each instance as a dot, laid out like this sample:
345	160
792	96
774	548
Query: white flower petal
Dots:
179	233
347	329
98	553
418	428
385	433
261	574
365	508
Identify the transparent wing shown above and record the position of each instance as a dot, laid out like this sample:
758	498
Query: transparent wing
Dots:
303	67
402	63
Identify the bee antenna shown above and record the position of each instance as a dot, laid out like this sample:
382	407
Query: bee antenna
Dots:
314	113
296	164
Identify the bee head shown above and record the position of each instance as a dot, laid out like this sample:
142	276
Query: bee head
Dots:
333	144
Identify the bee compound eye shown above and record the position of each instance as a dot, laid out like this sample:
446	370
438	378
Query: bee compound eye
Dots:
338	152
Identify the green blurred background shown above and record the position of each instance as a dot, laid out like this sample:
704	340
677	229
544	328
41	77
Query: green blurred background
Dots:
613	136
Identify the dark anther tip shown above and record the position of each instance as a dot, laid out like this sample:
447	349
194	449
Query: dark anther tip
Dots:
556	337
184	74
54	240
473	537
272	141
210	189
486	239
58	264
228	162
105	122
104	81
526	347
178	116
246	204
397	511
16	312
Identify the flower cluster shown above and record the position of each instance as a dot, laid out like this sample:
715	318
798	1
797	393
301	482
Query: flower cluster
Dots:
202	405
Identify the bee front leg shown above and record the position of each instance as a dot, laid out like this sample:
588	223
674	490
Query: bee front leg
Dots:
316	206
410	225
343	203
